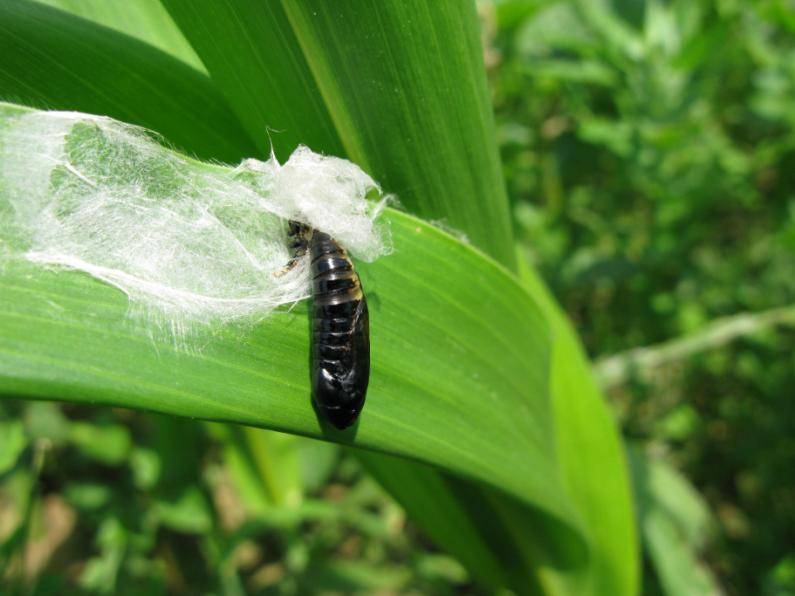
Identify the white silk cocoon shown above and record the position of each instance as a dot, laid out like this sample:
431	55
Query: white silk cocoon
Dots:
191	243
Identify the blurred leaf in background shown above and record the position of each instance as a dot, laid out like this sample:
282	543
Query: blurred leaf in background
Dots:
649	153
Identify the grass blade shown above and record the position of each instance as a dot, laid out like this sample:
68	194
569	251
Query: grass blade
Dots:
675	522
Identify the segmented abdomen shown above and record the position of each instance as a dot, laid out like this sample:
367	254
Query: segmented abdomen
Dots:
340	333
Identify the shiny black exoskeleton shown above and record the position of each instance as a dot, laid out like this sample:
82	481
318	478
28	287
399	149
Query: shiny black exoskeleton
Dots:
340	328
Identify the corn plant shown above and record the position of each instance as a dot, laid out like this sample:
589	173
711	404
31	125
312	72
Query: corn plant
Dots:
483	419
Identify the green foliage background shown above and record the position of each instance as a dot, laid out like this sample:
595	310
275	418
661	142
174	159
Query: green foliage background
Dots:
647	149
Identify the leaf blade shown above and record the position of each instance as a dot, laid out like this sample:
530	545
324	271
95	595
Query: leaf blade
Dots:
409	99
434	297
256	63
592	457
146	20
53	59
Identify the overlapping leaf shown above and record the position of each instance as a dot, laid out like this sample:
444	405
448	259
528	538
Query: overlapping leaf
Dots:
403	92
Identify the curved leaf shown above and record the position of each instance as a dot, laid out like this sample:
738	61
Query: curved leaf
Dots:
439	310
592	458
52	59
583	442
146	20
675	521
255	61
67	97
406	87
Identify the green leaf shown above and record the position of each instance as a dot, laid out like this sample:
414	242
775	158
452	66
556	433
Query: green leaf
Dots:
56	60
498	539
255	61
407	98
264	466
432	503
675	521
409	102
88	496
45	420
187	512
12	443
591	456
446	167
355	577
146	20
109	444
446	170
406	87
145	467
440	312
